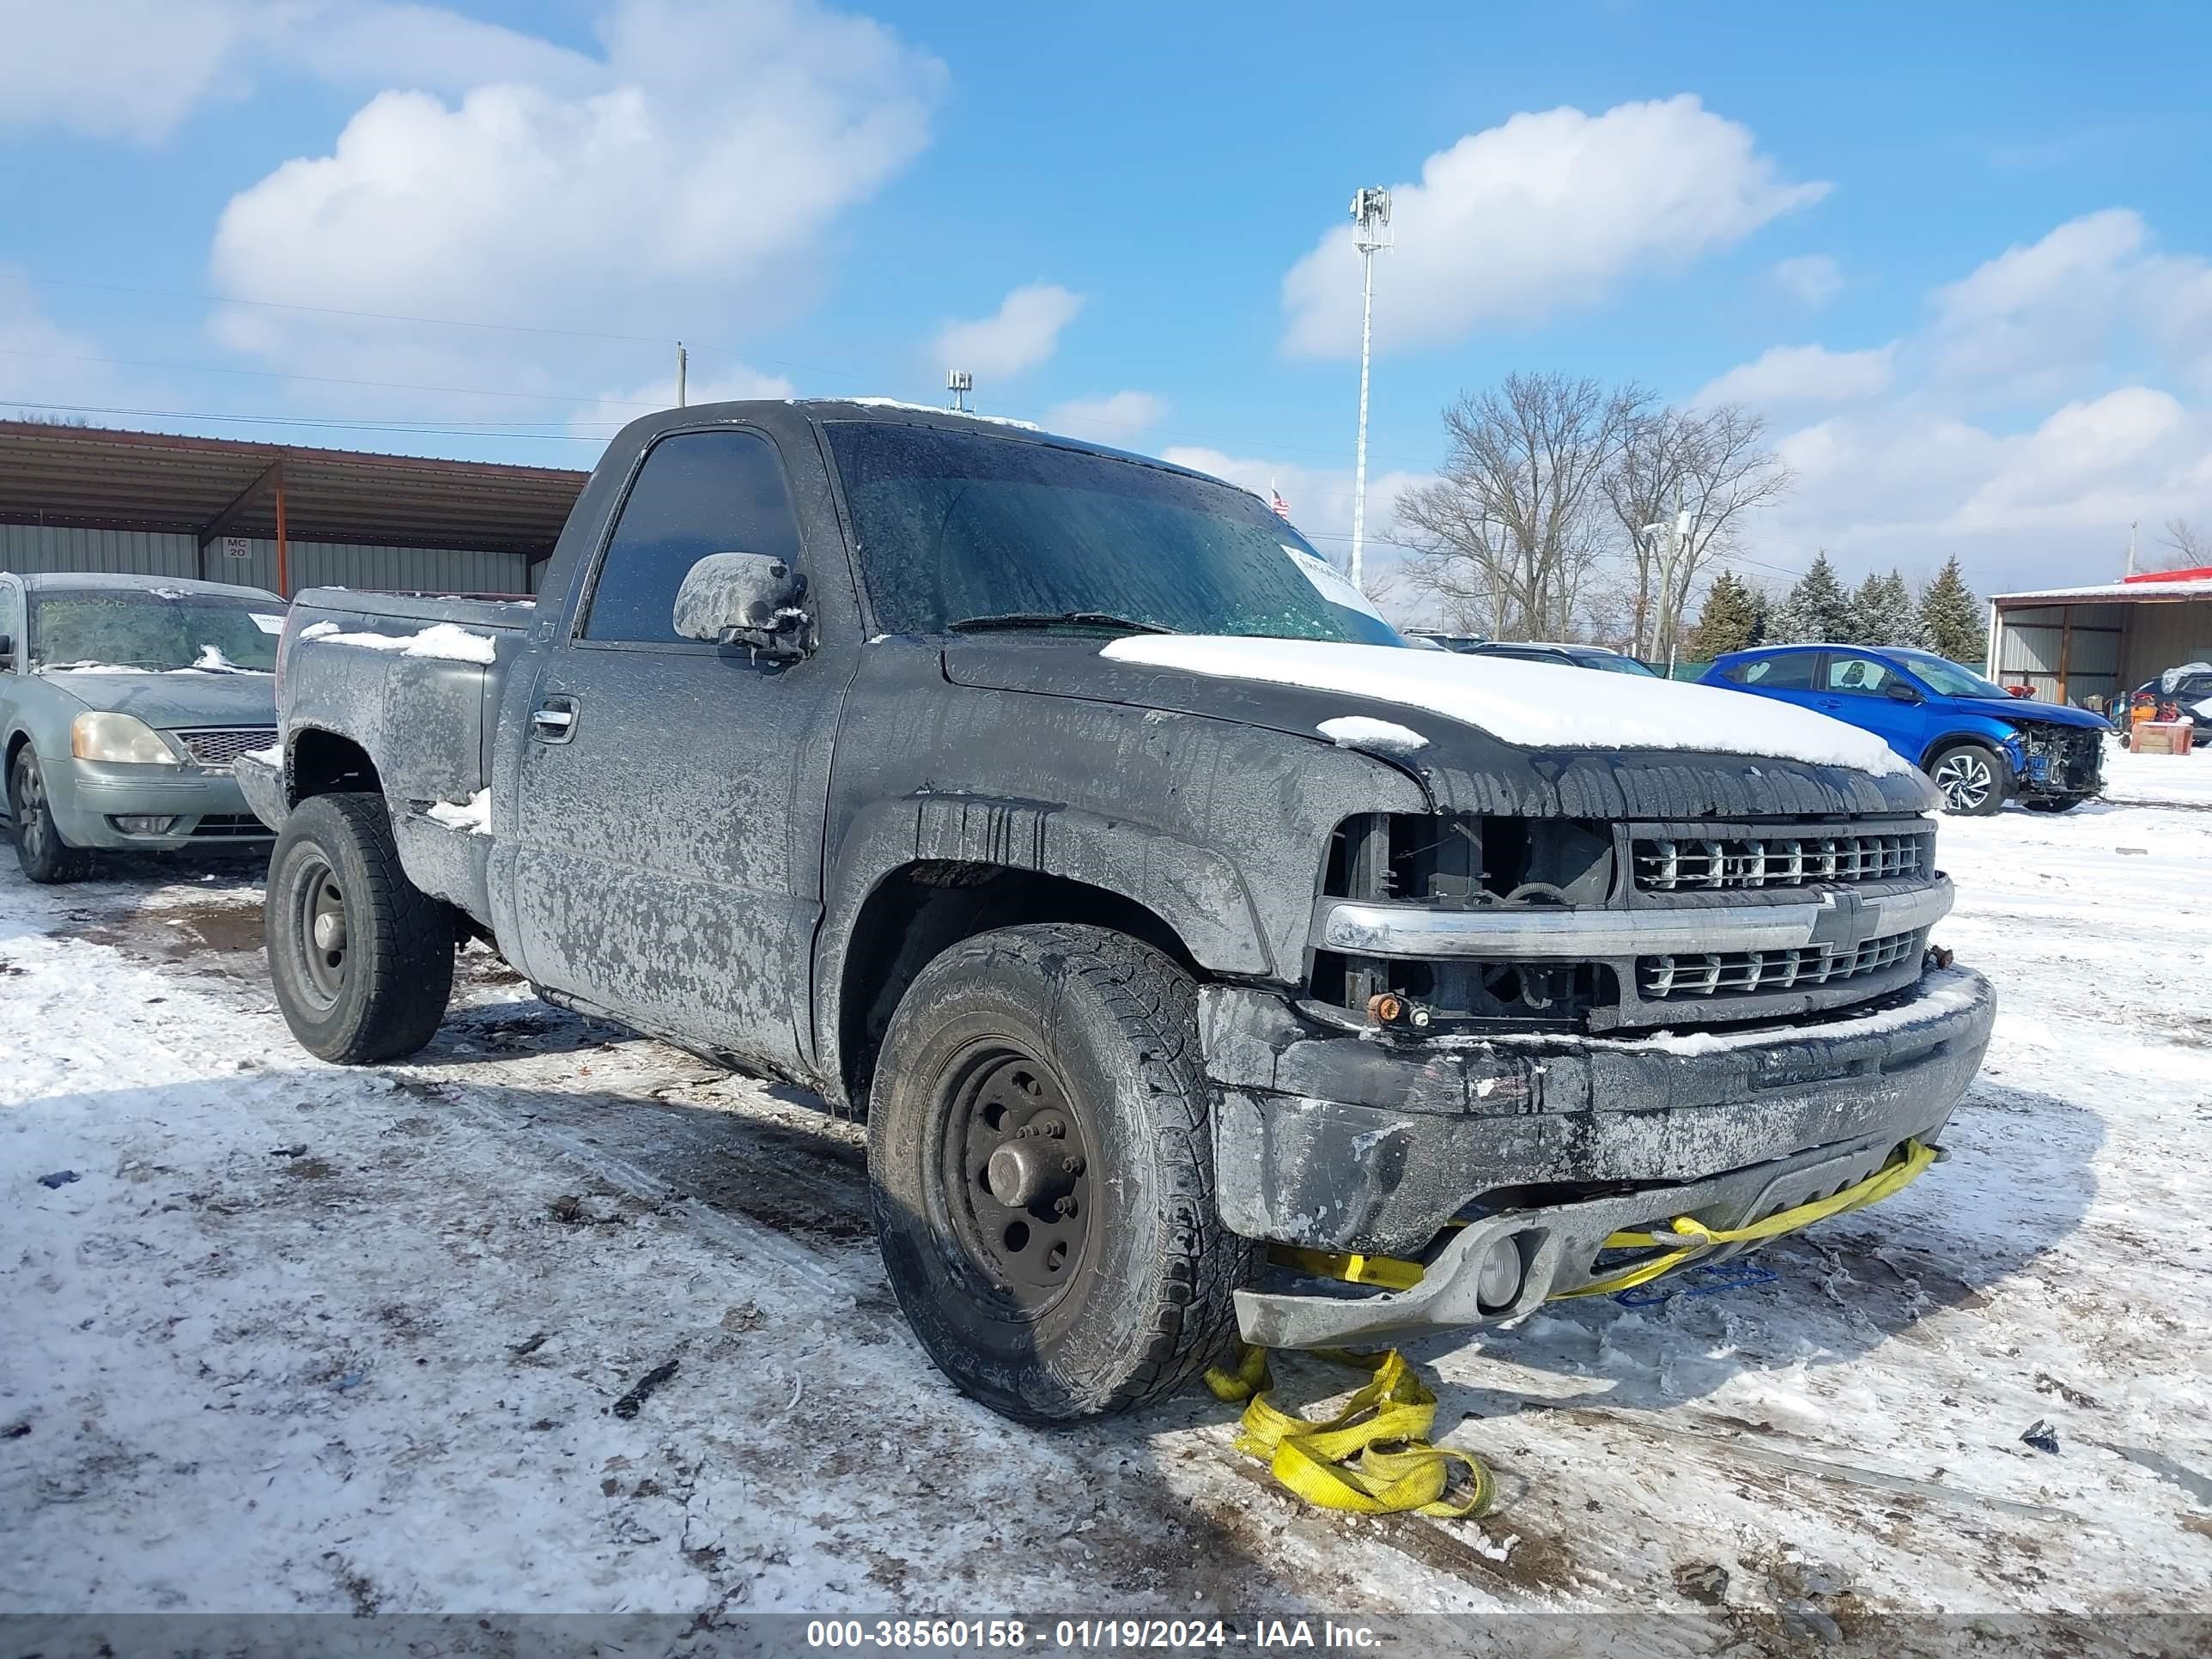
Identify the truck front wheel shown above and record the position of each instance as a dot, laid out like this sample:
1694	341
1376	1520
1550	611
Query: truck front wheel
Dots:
361	958
1041	1167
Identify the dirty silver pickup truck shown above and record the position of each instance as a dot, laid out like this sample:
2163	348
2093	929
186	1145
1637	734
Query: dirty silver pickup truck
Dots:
1065	815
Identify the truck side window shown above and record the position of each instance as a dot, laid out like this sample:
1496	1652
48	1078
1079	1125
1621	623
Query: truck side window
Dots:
1791	671
11	619
697	493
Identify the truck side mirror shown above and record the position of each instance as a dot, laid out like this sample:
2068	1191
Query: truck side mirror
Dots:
7	650
751	600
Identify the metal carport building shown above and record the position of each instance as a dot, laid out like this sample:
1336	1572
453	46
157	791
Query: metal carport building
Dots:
2074	644
277	516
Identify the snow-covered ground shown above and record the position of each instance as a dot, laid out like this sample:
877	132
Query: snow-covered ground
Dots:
298	1338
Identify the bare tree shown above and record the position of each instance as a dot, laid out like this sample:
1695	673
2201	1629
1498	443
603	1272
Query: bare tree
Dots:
2191	546
1508	539
1708	468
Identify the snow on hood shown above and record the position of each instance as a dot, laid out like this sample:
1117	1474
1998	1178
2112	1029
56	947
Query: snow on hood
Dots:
1533	705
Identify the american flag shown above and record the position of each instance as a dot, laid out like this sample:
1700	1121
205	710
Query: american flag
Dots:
1282	507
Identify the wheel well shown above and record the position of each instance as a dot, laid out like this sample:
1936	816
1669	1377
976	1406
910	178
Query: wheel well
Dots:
324	763
922	910
17	741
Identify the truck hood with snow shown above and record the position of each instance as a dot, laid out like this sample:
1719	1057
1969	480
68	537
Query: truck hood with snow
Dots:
179	698
1483	734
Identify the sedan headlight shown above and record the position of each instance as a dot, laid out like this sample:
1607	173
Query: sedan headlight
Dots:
99	737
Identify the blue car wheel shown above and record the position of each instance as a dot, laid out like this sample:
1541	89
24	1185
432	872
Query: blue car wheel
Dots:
1972	782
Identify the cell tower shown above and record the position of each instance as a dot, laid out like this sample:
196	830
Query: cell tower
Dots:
958	383
1370	218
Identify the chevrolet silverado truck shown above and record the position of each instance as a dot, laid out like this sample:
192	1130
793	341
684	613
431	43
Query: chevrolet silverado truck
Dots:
1063	814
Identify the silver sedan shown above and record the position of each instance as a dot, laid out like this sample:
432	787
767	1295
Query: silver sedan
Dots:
123	701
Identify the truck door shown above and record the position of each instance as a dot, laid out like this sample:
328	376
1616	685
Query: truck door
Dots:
670	797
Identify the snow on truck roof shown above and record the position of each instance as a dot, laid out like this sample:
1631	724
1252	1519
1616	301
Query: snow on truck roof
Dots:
1527	703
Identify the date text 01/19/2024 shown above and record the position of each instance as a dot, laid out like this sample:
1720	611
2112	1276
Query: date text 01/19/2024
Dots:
1083	1635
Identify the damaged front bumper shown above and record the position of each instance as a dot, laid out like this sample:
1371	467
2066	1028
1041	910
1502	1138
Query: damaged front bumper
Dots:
1344	1141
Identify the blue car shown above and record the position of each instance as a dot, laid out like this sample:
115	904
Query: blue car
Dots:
1980	746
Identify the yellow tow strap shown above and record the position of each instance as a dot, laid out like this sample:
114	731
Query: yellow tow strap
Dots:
1373	1457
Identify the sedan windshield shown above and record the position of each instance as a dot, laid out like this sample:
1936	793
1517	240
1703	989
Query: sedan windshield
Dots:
153	630
960	531
1946	676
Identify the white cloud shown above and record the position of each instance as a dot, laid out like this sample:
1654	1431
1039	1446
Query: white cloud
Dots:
1020	334
616	410
135	69
1547	211
1804	374
1120	419
43	363
2043	310
683	197
1908	486
1811	279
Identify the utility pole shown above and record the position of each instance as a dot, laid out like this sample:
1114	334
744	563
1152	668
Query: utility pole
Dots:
682	363
958	382
2131	546
1371	217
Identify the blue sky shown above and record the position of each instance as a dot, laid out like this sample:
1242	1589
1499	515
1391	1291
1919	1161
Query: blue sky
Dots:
1956	254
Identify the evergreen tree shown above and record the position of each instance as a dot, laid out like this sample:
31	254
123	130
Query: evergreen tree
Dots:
1882	611
1951	623
1731	618
1817	609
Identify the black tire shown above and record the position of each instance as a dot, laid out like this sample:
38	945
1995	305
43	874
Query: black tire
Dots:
374	986
46	857
1096	1032
1973	781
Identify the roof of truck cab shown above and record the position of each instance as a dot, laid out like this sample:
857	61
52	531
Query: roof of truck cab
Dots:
83	582
773	413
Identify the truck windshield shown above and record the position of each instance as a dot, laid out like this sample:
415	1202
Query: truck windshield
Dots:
966	528
153	630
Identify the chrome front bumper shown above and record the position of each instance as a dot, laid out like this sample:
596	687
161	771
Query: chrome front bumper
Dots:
1837	916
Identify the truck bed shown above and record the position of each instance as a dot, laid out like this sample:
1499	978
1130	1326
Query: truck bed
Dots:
414	679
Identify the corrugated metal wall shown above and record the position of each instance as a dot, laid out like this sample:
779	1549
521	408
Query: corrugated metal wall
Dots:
31	548
2114	648
2163	637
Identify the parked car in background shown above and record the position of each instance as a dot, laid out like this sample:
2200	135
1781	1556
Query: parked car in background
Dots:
2186	690
1600	657
1980	745
124	701
1561	652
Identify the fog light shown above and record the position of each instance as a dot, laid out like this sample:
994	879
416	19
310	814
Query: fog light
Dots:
1497	1281
141	823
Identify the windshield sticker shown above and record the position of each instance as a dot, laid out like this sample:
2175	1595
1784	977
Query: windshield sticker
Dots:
267	624
1329	582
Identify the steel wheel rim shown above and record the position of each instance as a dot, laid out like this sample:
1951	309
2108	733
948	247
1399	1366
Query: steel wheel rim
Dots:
1964	780
30	808
318	932
1014	1176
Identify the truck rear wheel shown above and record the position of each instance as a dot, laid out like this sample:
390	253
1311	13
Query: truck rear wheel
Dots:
361	958
1041	1167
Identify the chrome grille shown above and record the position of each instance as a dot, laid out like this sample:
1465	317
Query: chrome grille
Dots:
215	748
1697	863
1746	973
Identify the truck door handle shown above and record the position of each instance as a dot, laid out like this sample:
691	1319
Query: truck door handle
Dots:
554	720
